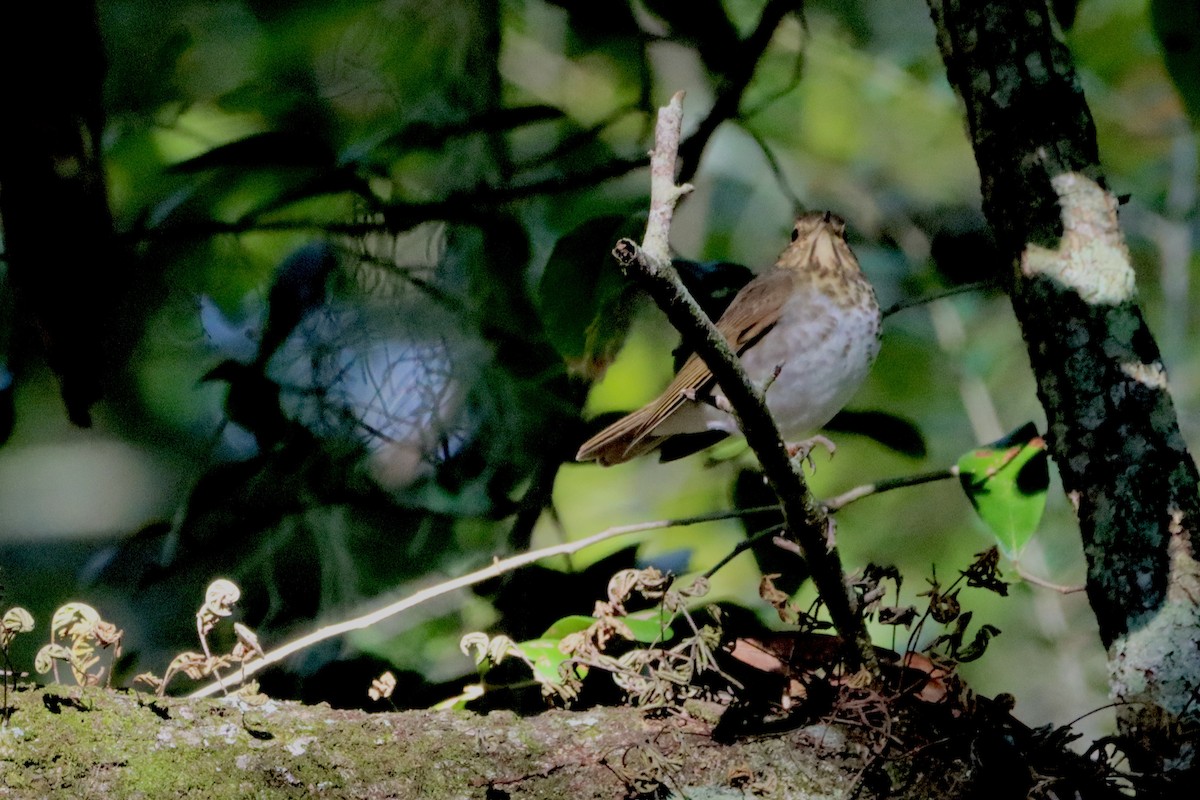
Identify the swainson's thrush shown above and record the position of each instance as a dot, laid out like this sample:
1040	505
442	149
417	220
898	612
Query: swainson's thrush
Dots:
807	330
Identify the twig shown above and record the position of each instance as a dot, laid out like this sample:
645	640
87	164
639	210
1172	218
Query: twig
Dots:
473	205
785	188
479	576
902	305
744	545
805	518
1045	584
835	504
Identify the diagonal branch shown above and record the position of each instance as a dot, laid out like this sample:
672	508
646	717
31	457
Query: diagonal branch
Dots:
806	520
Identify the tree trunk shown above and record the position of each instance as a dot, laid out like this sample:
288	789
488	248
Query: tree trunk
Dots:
1112	427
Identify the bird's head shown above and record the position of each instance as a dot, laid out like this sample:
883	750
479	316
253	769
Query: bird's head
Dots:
819	248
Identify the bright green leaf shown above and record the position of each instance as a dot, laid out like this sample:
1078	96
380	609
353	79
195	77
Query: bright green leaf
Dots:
646	626
1006	482
545	656
568	625
649	627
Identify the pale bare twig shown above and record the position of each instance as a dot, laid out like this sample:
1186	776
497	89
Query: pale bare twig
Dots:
479	576
844	499
1045	584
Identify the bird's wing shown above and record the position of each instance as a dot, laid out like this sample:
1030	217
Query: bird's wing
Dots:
749	317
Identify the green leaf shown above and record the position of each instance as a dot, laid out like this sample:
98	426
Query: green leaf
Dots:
649	626
545	657
705	23
646	626
583	298
567	625
889	430
1006	482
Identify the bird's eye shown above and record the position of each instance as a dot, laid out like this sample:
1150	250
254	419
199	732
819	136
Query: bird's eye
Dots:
795	234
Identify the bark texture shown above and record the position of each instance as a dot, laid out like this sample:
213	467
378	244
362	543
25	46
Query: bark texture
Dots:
1112	427
68	742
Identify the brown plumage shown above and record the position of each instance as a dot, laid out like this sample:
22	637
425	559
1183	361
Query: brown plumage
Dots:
813	316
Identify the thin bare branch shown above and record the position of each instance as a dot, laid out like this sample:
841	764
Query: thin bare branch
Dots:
1045	584
805	518
479	576
835	504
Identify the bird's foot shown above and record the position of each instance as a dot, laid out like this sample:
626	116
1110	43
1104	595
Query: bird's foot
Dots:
803	450
830	534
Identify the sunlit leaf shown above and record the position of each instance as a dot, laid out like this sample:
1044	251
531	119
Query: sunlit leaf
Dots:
1006	482
567	625
646	626
649	626
545	656
470	692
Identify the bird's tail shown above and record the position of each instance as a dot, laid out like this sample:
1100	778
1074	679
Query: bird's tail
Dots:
626	438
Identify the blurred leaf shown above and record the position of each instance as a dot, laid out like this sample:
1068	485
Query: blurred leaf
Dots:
1176	23
583	297
1006	482
963	247
382	148
704	23
714	284
332	185
592	22
889	430
8	411
261	150
751	490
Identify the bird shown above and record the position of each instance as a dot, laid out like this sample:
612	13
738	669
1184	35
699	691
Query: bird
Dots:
807	332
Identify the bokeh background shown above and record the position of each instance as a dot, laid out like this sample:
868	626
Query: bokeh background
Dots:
466	166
